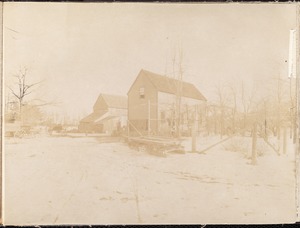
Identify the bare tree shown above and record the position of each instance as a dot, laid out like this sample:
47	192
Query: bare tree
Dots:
178	76
233	91
247	103
279	100
22	88
222	96
282	98
179	93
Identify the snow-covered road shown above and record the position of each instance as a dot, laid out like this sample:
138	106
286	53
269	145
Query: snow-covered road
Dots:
61	180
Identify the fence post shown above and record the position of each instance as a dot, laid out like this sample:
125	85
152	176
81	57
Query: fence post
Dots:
128	130
266	130
194	149
254	140
195	118
149	117
284	140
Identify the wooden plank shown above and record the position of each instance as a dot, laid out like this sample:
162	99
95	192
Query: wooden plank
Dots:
215	144
151	139
152	142
276	150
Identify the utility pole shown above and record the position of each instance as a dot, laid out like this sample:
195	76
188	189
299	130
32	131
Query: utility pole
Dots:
179	94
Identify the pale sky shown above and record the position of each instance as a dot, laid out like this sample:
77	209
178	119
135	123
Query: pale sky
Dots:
81	50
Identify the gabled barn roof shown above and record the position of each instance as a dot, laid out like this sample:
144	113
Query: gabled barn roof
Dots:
92	117
170	85
113	101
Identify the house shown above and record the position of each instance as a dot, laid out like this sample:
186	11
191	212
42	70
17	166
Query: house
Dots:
109	115
158	104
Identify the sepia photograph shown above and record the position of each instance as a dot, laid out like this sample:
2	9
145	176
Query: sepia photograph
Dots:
150	113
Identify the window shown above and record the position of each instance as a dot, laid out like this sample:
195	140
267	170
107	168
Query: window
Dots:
142	92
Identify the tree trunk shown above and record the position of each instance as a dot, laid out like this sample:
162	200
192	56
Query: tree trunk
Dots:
194	149
233	123
222	123
295	127
278	123
254	140
244	124
284	140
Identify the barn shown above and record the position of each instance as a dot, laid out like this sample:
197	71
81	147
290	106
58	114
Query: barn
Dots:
157	104
109	115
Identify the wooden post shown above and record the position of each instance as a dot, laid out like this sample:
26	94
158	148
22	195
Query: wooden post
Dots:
295	127
194	149
149	116
254	140
291	127
284	140
128	130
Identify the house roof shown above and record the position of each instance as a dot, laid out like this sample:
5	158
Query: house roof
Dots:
92	117
170	85
114	101
103	120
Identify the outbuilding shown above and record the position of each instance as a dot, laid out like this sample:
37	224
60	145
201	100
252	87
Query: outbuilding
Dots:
109	115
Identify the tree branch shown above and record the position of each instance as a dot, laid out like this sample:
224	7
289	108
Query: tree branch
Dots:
14	93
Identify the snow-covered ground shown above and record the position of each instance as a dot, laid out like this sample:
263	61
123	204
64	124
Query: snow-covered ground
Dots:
61	180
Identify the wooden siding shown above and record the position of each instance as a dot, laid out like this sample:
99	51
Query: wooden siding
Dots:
100	105
138	107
